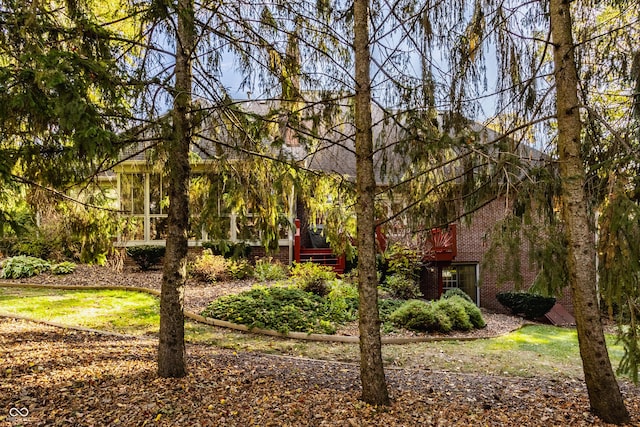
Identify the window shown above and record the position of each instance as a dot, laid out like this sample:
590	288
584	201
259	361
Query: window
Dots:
144	200
462	276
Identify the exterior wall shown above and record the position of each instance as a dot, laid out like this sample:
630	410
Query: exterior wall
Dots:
473	242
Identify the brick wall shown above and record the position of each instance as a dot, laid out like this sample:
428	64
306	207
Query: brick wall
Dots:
473	243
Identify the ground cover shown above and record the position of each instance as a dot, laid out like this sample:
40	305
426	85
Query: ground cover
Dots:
61	377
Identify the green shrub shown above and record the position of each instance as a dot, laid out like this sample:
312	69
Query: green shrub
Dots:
64	267
403	261
209	267
146	256
386	306
455	310
279	308
531	306
36	246
229	250
459	292
23	266
240	269
416	315
312	277
342	301
266	270
402	287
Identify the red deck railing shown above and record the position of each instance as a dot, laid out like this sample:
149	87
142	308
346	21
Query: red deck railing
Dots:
442	244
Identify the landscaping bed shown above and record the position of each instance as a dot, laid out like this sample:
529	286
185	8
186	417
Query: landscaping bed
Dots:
198	295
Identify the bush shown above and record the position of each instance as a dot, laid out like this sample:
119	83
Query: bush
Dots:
402	260
209	267
279	308
342	301
459	292
146	256
311	277
443	315
266	270
402	287
416	315
240	269
23	266
229	250
531	306
455	310
65	267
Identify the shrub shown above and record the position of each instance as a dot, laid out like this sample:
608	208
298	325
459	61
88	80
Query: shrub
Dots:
23	266
240	269
229	250
342	301
64	267
459	292
386	306
283	309
455	310
531	306
146	256
266	270
209	267
416	315
311	277
402	287
402	260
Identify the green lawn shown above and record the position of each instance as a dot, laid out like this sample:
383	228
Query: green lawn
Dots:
539	350
124	312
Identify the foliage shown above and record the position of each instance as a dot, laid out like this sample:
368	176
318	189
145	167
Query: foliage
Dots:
209	267
312	277
403	261
280	308
531	306
239	269
402	287
457	292
419	315
454	307
342	301
233	250
444	315
23	266
146	256
266	269
65	267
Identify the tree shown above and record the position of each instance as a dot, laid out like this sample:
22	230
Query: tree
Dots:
604	393
171	346
374	387
63	100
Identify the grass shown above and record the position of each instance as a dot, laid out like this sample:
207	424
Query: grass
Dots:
539	350
109	310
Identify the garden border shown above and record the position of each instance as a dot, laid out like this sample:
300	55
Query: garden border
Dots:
222	323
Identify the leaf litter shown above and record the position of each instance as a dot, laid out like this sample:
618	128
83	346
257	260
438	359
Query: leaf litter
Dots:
69	377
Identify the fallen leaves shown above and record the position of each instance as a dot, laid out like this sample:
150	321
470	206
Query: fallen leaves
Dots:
79	378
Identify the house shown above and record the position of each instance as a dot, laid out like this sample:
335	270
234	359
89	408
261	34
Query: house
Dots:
454	253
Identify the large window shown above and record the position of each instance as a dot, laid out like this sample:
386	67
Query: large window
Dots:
144	202
462	276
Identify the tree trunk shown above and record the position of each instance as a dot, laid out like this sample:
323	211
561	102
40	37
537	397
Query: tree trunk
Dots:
604	393
374	386
171	348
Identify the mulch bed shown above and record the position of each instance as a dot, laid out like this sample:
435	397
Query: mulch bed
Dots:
52	376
